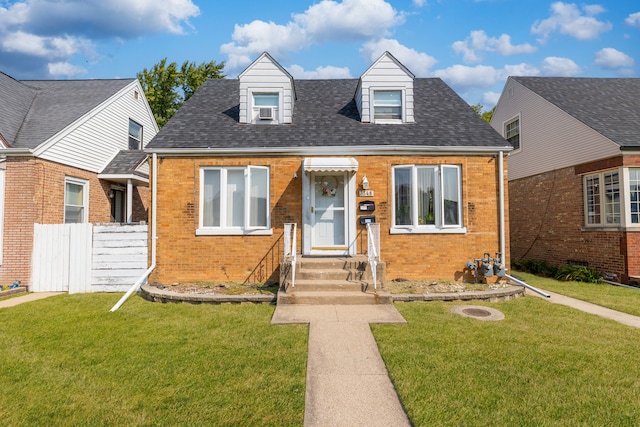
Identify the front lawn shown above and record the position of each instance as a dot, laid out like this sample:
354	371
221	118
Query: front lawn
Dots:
615	297
543	365
67	360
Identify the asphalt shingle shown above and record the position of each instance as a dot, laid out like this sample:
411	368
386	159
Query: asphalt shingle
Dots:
610	106
325	115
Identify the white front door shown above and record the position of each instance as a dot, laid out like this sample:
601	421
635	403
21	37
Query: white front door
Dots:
328	213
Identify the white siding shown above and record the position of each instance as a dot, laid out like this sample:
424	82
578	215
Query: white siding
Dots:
94	140
550	139
266	76
385	74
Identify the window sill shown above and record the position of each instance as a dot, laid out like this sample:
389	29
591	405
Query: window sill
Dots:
633	227
388	121
426	230
233	232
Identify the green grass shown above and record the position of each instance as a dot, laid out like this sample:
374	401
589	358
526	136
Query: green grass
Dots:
614	297
67	360
543	365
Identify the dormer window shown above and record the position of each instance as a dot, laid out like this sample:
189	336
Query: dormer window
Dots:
387	105
265	106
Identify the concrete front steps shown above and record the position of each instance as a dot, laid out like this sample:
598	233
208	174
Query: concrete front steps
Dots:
333	280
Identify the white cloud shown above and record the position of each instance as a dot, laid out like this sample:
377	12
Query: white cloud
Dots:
465	76
328	72
633	20
328	20
559	67
419	3
612	59
567	19
417	62
489	99
478	41
46	34
64	69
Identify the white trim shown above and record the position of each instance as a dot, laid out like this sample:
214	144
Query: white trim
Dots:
124	177
85	197
339	150
504	131
246	229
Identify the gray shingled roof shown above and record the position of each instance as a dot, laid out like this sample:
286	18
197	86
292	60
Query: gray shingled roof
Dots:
41	108
611	106
325	114
125	163
16	100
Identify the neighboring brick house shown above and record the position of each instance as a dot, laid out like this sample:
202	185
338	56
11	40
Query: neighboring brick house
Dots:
574	174
244	156
70	151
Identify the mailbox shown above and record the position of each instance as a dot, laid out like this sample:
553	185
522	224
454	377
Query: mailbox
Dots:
368	205
367	219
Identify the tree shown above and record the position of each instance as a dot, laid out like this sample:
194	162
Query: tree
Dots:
167	87
486	115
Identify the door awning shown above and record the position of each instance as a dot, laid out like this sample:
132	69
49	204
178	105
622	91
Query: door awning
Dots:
330	164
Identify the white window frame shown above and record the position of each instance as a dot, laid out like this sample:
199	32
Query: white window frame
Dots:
253	110
602	192
85	198
131	137
246	229
625	198
439	209
372	102
504	130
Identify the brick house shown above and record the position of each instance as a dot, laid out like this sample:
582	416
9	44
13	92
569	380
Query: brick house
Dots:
574	174
70	151
245	156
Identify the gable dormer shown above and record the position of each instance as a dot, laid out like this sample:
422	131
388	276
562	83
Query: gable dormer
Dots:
385	92
267	93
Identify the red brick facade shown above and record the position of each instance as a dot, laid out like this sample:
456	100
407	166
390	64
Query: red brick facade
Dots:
184	257
547	223
34	193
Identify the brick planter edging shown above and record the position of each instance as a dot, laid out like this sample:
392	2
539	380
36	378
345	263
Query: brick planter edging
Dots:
18	290
153	294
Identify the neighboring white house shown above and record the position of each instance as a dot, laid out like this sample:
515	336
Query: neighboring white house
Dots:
70	151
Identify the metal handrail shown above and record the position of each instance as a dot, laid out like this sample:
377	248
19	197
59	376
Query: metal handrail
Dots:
373	250
291	248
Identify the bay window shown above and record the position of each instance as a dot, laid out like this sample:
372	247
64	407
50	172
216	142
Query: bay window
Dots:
602	198
634	195
427	198
234	200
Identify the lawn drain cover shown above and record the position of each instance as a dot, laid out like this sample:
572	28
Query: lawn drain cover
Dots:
480	313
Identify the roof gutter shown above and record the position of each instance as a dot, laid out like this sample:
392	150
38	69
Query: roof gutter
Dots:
16	152
154	222
330	150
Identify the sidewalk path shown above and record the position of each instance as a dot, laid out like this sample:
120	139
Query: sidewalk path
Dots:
11	302
624	318
347	382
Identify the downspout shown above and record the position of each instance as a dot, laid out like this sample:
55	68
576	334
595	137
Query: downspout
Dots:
129	201
154	222
501	203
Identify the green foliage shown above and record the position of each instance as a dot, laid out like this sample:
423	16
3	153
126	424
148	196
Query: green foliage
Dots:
168	87
486	115
566	273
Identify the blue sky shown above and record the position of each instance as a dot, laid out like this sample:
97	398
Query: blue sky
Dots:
473	45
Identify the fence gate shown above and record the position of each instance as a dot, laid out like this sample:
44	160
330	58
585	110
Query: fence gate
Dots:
61	259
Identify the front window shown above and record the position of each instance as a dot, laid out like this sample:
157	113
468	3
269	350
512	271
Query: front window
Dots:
234	199
387	105
427	197
602	198
135	135
512	133
634	195
75	200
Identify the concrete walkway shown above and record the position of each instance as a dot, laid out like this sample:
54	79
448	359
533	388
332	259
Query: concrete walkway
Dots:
11	302
587	307
347	382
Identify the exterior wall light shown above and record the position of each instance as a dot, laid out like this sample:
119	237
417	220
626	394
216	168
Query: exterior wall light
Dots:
365	183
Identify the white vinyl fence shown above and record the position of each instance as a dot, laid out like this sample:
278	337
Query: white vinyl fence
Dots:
87	258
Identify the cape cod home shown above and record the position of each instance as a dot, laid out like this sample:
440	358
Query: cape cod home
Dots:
574	174
70	152
243	157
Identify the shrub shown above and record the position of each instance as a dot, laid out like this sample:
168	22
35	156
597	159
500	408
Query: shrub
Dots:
565	273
